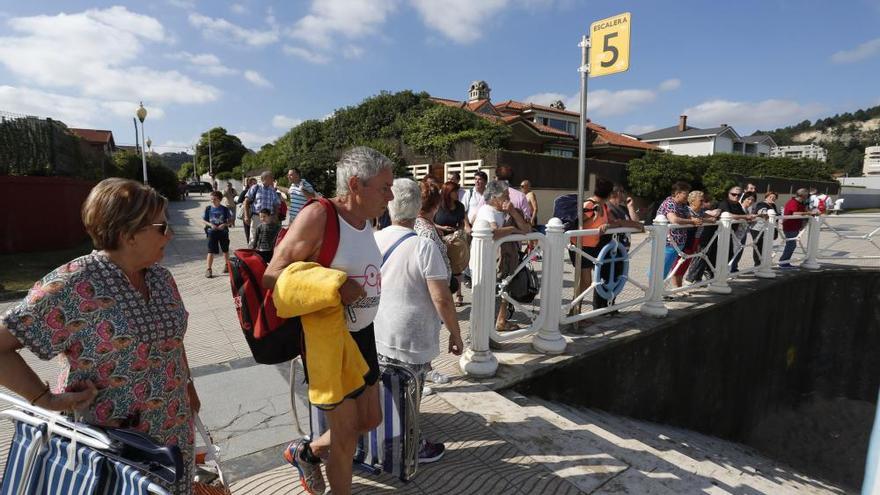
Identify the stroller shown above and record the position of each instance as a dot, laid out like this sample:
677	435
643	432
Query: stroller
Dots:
51	455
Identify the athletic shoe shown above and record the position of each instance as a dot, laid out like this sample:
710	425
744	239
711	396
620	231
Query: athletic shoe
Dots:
426	391
437	377
430	452
310	476
786	266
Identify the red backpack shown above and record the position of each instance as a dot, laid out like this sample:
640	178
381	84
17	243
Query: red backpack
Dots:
272	339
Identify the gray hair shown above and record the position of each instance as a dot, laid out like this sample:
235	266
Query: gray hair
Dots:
361	162
495	189
407	200
267	175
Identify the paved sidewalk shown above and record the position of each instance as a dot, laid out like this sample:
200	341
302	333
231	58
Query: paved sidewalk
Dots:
496	443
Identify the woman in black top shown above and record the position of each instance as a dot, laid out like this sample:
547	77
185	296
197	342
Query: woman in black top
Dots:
449	218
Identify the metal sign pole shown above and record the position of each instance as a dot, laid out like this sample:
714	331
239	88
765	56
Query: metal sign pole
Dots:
584	69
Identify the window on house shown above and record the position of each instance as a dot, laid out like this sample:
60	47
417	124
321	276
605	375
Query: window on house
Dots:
563	152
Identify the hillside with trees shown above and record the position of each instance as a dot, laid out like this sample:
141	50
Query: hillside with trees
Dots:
385	122
845	136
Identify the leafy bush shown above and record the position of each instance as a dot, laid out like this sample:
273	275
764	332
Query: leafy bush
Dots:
383	122
129	165
652	176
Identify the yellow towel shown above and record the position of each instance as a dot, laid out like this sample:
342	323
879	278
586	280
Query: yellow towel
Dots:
334	363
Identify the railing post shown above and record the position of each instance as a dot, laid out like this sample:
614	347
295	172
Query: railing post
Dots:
766	268
548	339
654	306
722	271
814	224
478	360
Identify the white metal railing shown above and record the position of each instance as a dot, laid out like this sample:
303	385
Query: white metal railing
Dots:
554	245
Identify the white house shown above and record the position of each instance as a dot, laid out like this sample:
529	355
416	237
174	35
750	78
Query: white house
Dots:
872	160
686	140
800	151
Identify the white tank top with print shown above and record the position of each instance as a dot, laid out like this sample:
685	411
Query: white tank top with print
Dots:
359	257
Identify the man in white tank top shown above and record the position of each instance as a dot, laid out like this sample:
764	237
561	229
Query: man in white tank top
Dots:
363	187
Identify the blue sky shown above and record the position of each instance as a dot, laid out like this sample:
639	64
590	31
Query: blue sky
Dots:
257	68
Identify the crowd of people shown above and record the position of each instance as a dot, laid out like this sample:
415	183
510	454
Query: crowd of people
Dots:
119	321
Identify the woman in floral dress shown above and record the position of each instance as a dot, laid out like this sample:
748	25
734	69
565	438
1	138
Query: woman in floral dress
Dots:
117	317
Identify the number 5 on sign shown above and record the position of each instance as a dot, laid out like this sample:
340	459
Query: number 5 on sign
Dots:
609	45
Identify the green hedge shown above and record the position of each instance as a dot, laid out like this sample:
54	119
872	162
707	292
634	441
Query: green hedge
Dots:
652	176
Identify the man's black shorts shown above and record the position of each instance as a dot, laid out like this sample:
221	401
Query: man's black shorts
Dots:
218	240
366	342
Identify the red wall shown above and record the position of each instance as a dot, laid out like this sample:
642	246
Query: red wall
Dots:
41	213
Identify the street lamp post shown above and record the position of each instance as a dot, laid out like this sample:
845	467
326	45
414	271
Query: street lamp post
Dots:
141	115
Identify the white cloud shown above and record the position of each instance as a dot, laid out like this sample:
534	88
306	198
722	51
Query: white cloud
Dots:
307	55
238	8
766	114
571	102
865	50
670	85
256	79
182	4
461	21
222	29
73	111
253	140
91	52
206	63
285	122
636	129
330	21
605	103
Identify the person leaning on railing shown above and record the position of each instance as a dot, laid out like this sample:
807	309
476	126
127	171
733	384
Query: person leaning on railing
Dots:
731	205
675	209
504	220
791	227
696	209
598	215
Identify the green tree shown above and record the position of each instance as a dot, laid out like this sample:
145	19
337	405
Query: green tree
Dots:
186	171
435	131
226	151
129	165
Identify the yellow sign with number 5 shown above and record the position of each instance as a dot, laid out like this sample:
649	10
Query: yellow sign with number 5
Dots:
609	45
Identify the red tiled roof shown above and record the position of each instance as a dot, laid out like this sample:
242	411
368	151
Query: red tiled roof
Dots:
604	136
546	129
522	107
511	111
93	135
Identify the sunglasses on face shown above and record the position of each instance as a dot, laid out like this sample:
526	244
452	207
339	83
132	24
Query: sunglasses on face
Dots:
164	228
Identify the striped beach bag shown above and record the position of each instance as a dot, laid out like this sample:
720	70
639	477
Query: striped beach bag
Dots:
393	446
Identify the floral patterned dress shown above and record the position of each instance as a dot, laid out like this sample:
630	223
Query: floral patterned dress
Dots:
129	347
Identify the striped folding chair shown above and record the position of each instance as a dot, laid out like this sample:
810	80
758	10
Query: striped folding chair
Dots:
126	480
69	468
27	444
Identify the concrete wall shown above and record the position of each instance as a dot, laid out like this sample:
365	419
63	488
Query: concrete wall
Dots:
41	213
859	197
721	369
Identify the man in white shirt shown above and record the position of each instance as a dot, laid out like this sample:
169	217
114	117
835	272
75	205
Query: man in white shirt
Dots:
473	198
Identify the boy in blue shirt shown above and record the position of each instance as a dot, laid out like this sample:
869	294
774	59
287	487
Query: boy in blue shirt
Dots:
217	220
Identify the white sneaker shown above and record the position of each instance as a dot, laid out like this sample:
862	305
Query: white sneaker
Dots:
435	376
